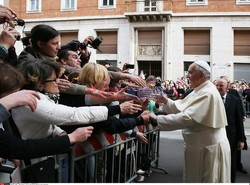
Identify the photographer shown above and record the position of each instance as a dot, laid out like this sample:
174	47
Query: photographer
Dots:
8	36
70	61
82	47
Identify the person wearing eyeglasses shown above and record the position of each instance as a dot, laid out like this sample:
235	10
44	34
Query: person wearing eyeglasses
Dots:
13	147
42	76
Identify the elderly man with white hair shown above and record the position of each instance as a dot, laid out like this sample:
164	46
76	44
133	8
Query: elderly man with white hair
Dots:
202	117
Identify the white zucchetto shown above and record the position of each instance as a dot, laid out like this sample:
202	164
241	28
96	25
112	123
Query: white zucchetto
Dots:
203	64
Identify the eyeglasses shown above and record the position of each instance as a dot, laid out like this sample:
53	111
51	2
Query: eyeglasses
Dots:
52	80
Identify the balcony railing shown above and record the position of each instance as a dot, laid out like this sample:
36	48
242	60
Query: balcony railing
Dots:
148	10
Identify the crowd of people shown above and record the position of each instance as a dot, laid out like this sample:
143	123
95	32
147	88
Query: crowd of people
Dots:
48	86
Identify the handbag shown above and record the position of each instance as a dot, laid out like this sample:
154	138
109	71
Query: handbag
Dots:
43	171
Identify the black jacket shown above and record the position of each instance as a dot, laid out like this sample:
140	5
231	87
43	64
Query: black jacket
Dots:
12	147
235	128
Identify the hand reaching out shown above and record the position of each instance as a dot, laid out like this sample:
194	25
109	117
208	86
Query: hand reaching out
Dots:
123	96
20	98
160	98
153	119
98	93
145	116
128	107
141	137
137	80
80	134
63	84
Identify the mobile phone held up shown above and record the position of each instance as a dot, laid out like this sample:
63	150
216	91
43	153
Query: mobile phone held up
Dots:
130	66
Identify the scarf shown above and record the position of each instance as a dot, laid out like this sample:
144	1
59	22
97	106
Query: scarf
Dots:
54	97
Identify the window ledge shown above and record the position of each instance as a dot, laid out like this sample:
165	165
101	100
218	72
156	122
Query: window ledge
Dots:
68	9
242	3
33	11
106	7
188	3
196	4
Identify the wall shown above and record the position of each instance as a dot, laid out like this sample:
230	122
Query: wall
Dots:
221	43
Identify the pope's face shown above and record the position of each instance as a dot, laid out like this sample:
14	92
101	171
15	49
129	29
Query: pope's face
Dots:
194	76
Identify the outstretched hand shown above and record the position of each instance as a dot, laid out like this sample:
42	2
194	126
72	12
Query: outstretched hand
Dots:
145	116
128	107
137	80
80	134
63	84
98	93
141	137
123	96
20	98
160	98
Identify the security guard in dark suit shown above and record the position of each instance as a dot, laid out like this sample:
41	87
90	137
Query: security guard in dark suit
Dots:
235	128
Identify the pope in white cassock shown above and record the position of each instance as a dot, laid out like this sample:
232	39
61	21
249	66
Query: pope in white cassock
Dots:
202	117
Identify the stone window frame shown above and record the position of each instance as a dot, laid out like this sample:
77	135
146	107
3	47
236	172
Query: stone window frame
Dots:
196	2
63	8
101	6
28	6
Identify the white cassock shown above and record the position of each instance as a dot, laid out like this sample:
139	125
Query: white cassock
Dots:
202	117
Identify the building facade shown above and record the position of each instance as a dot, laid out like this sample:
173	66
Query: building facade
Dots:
161	37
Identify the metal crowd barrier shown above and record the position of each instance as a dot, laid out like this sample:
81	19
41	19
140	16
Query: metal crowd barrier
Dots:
117	162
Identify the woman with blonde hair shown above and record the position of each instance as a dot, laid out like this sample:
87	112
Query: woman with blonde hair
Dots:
93	74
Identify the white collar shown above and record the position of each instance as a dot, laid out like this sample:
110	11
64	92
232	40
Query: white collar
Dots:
224	96
1	126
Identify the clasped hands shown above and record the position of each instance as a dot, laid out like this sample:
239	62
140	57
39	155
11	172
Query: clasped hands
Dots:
149	117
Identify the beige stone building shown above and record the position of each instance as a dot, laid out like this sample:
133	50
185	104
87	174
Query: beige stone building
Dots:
161	37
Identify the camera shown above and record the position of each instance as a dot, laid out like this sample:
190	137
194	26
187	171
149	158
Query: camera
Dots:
20	22
74	45
130	66
96	43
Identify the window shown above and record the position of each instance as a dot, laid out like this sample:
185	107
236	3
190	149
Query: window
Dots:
66	37
33	5
109	43
150	42
242	1
68	4
241	71
197	42
103	4
150	6
196	2
150	67
1	2
242	42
